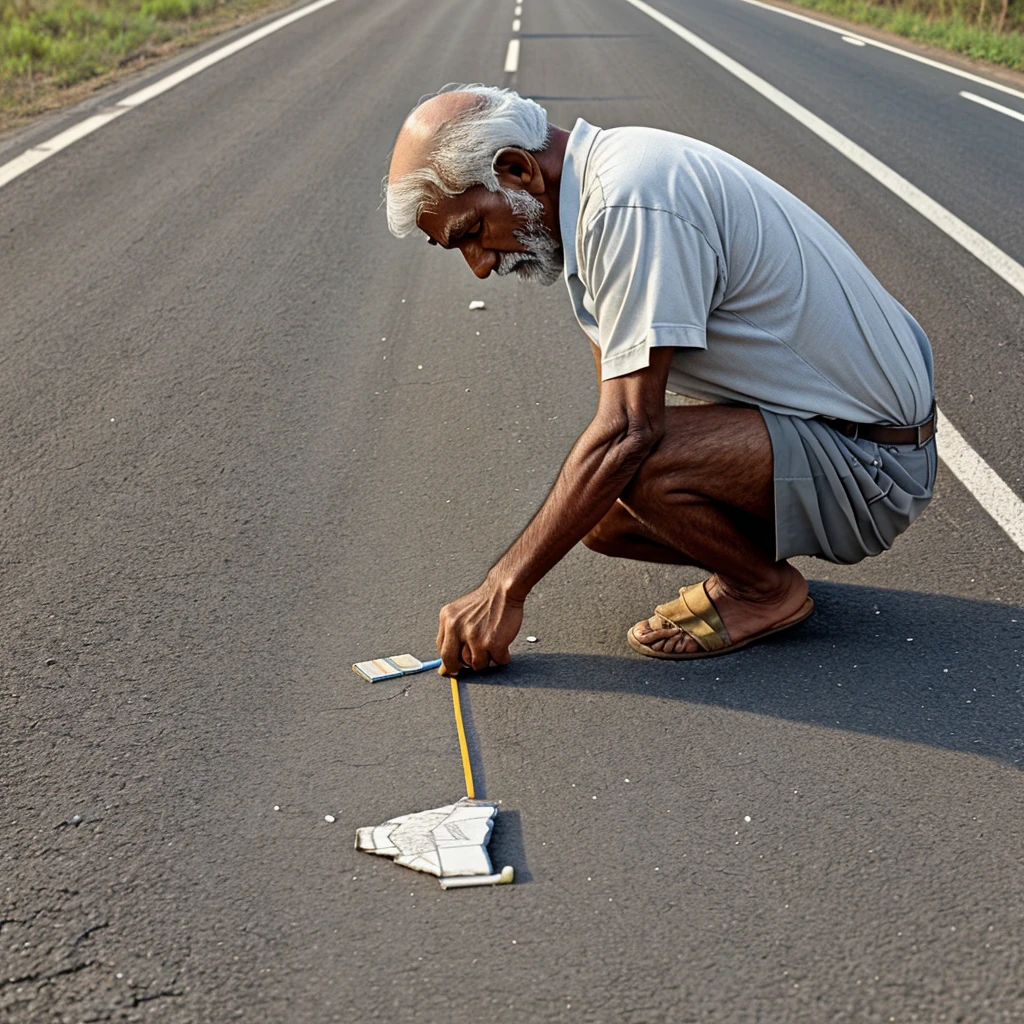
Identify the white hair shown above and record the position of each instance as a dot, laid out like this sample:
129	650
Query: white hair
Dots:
463	151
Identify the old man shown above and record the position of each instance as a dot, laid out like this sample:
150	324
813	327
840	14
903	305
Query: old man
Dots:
688	271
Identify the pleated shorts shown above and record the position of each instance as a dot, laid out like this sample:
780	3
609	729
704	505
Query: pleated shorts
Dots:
843	499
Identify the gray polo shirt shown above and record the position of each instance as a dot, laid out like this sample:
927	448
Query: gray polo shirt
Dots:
670	242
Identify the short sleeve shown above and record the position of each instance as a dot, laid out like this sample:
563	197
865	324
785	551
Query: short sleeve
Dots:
652	280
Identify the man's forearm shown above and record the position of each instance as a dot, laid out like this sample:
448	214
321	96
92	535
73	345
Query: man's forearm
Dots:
597	470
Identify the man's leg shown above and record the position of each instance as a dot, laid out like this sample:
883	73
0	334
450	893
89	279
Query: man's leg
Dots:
706	497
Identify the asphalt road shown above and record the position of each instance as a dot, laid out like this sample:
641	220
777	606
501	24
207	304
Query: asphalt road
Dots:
248	439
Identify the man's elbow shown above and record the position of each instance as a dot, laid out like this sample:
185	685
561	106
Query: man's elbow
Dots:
641	436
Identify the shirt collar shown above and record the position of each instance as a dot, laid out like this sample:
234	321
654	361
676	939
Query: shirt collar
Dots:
574	166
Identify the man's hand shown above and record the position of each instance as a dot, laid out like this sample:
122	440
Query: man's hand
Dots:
476	630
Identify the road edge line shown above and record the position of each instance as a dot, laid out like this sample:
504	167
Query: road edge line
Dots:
888	47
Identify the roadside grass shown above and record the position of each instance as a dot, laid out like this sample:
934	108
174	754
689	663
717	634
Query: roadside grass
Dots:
971	29
54	52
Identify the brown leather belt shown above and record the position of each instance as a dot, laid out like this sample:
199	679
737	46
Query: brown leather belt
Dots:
882	434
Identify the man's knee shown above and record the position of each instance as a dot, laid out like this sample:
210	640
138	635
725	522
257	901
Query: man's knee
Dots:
606	537
600	539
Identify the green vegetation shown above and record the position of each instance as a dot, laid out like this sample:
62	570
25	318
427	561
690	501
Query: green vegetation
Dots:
991	30
47	47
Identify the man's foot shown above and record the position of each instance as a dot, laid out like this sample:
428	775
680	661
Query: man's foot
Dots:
744	618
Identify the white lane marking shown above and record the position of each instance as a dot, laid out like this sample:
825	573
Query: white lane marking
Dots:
1012	510
868	41
518	11
512	56
853	41
993	106
515	25
20	164
31	157
977	476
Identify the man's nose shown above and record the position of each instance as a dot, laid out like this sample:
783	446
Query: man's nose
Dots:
481	261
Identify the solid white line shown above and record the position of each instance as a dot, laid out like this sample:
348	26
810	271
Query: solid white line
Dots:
975	474
31	157
1011	509
20	164
512	56
868	41
853	41
993	106
515	25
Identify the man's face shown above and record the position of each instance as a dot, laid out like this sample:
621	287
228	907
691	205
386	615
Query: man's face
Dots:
506	231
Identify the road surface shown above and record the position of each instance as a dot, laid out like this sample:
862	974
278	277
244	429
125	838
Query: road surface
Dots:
249	439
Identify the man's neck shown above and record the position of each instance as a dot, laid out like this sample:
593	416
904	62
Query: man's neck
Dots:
550	160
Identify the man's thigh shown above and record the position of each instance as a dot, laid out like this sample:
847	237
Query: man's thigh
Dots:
722	453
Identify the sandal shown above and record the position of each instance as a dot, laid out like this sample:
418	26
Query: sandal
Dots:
694	613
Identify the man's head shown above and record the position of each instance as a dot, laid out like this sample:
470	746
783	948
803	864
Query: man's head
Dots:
474	170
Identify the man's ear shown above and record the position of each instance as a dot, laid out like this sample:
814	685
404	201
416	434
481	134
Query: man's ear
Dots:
518	168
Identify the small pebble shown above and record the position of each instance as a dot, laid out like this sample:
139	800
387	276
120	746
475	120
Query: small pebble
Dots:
477	304
329	817
531	639
746	817
277	807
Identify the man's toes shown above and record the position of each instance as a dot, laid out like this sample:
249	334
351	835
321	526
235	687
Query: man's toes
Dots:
679	643
655	638
644	627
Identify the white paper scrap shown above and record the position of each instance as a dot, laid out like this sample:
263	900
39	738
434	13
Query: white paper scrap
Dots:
450	841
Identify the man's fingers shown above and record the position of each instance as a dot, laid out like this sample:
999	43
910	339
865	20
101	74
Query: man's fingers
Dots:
448	647
479	660
501	657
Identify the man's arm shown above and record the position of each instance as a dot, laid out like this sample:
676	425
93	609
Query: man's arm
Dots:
630	421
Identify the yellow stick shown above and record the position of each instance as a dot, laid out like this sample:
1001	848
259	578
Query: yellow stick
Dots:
466	768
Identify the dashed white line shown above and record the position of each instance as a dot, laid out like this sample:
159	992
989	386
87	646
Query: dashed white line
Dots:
515	25
992	494
993	106
30	158
518	11
868	41
512	56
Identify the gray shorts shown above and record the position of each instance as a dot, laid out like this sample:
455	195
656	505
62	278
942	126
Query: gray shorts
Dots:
843	499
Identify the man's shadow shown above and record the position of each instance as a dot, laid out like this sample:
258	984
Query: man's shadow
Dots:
921	668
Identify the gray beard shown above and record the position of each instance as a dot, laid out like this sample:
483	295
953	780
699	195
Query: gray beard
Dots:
543	261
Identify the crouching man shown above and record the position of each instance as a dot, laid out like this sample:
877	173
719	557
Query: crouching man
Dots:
688	270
